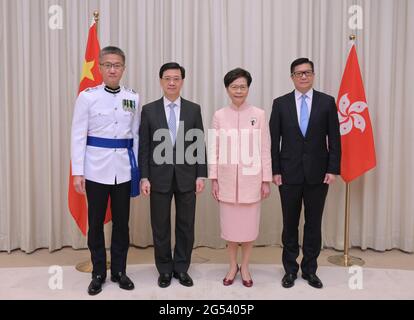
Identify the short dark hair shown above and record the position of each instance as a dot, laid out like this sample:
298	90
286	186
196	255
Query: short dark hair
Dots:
300	61
172	65
236	74
111	50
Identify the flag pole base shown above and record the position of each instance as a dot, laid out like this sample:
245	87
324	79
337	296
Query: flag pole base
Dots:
86	266
346	261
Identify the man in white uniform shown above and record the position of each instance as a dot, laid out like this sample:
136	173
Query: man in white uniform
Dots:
104	164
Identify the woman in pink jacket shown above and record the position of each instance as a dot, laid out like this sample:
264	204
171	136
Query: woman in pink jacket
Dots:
241	171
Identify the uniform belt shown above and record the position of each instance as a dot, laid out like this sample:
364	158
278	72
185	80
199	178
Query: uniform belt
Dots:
120	144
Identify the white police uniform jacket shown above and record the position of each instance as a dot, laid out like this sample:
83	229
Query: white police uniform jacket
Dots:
100	113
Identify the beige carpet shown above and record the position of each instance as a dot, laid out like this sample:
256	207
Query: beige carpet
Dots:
35	282
393	259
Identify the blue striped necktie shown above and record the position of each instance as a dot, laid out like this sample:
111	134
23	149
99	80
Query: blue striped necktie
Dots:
172	125
304	116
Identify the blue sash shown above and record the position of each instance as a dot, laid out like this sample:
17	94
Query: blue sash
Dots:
120	144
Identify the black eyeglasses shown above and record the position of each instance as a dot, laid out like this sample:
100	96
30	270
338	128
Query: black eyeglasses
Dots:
109	66
300	74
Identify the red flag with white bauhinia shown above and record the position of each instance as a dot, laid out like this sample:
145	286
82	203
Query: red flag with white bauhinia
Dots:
357	141
91	77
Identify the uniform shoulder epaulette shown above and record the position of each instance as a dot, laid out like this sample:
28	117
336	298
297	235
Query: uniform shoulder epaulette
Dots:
130	90
91	89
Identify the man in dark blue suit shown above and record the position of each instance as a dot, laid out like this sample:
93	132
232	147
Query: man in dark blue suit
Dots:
306	157
171	166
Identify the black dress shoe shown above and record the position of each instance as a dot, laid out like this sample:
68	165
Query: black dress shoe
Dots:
184	278
123	280
288	280
96	285
164	280
313	280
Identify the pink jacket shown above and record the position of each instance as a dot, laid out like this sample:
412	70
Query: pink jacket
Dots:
247	163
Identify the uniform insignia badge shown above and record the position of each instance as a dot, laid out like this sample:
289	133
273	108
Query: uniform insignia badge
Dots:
253	121
130	90
90	89
128	105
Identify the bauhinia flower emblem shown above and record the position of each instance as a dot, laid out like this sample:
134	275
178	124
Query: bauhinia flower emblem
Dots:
350	115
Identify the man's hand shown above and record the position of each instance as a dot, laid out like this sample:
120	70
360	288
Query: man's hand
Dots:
329	178
199	185
277	179
145	187
215	189
265	190
79	184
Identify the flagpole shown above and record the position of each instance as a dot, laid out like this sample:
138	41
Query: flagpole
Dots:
346	260
86	266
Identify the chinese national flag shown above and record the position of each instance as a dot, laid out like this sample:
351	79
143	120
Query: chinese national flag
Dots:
357	141
91	77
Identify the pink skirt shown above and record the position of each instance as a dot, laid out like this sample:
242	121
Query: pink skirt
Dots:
239	222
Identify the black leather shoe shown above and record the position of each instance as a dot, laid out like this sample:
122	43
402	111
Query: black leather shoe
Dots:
288	280
164	280
313	280
184	278
123	280
96	285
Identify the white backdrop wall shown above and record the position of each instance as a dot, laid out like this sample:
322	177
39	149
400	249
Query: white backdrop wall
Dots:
39	77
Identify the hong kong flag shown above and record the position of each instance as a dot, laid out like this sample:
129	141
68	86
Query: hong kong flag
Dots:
357	141
91	77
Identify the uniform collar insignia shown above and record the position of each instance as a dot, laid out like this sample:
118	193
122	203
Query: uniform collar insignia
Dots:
112	90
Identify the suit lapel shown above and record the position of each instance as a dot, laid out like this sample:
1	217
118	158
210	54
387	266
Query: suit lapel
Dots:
162	119
293	112
314	110
183	116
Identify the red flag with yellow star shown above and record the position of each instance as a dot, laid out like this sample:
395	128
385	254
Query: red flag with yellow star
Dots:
91	77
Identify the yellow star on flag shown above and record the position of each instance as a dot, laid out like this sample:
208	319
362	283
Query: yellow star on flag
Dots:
87	70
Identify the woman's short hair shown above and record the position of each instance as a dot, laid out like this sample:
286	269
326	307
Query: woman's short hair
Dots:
235	74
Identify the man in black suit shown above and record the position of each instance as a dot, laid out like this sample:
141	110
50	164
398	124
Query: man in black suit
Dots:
306	156
172	160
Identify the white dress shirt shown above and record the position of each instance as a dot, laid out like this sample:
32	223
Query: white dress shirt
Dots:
99	113
298	99
177	110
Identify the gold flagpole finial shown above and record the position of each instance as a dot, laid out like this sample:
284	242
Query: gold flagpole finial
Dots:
96	16
352	37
